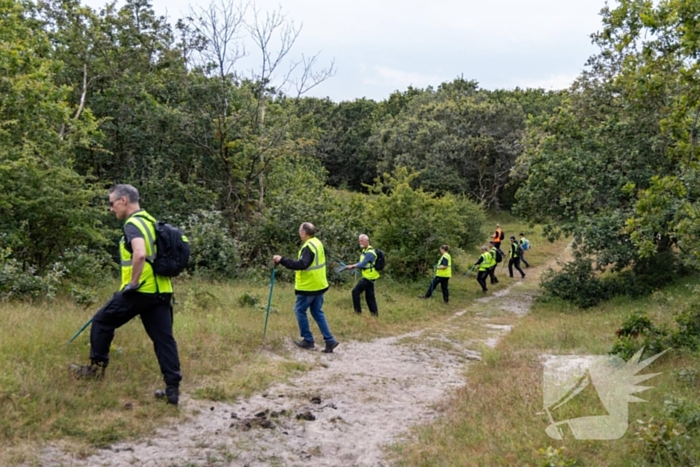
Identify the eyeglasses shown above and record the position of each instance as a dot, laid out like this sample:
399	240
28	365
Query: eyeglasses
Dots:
111	203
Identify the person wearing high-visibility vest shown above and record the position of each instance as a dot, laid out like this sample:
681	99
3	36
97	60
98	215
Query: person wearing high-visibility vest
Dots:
524	245
369	275
485	262
310	285
494	253
443	272
514	255
498	236
142	293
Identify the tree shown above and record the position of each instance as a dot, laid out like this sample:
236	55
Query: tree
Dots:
46	208
412	224
459	140
611	166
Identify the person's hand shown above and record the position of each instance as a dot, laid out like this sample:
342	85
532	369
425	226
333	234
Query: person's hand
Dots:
276	259
131	288
350	266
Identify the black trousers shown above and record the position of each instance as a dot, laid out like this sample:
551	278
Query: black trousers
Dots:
157	317
515	262
522	257
443	281
492	274
366	286
481	279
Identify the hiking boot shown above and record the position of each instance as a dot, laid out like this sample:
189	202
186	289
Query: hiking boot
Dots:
330	346
423	297
304	344
523	276
92	371
171	393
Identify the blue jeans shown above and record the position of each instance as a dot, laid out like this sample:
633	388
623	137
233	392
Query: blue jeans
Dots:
314	303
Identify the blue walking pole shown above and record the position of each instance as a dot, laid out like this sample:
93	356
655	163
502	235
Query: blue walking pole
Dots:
269	299
80	331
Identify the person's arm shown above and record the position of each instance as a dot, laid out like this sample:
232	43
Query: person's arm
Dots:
369	258
443	264
137	247
138	259
307	257
481	259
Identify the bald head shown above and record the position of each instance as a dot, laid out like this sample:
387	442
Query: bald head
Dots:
306	230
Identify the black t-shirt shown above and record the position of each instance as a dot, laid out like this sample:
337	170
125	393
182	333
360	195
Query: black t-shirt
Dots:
131	232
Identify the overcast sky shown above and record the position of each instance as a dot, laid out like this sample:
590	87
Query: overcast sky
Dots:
380	46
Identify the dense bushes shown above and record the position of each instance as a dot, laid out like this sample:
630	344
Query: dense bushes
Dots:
638	331
410	225
578	283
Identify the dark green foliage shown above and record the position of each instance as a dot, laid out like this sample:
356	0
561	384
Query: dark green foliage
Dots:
638	331
410	225
213	250
576	283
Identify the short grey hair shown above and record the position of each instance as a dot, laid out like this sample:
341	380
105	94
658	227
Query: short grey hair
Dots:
363	237
131	193
309	228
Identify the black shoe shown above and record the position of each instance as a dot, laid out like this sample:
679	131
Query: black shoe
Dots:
304	344
171	393
376	315
523	276
330	346
92	371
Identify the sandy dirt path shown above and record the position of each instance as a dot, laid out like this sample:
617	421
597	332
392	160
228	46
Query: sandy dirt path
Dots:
345	412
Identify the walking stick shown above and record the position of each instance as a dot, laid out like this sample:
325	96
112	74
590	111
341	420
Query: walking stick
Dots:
269	299
468	271
80	331
342	267
432	281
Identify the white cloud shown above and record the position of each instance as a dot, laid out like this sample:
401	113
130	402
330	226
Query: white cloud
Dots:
551	82
399	79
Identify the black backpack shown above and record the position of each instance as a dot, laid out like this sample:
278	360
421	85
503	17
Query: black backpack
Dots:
172	250
499	255
379	261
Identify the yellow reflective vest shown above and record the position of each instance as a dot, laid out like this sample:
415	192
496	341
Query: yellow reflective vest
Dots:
447	272
152	283
369	273
313	278
487	261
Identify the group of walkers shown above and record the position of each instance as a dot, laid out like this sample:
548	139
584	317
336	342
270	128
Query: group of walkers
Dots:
492	255
148	295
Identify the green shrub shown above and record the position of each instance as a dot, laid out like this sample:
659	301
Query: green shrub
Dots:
575	283
638	331
214	252
24	282
662	441
684	412
410	225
